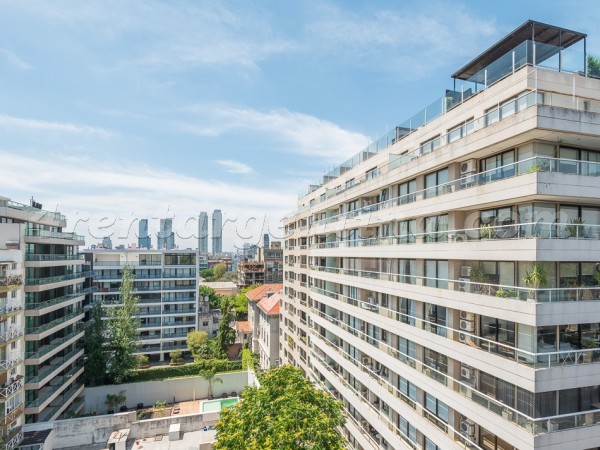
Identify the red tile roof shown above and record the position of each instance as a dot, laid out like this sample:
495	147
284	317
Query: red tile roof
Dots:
244	326
270	305
257	293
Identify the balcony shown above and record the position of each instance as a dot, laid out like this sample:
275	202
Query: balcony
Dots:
54	257
58	278
12	415
10	306
7	364
13	439
50	403
539	295
42	306
48	389
11	388
10	335
55	345
10	282
44	234
541	360
41	329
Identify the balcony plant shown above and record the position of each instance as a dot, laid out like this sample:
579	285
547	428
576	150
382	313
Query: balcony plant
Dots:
487	231
113	401
478	275
575	227
535	278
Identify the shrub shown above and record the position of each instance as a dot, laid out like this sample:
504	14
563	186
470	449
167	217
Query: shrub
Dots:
188	370
142	360
176	356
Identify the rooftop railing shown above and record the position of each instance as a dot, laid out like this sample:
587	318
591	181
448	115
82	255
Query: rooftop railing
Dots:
37	211
530	53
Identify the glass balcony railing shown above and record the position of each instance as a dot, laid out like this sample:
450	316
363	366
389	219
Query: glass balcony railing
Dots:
44	371
56	384
55	343
37	211
530	165
53	235
51	257
30	306
541	360
513	231
540	295
58	278
55	323
528	53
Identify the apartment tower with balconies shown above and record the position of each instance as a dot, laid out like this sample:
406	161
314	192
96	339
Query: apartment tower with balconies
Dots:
444	282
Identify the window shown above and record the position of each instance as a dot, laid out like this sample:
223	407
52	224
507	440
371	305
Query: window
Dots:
407	348
371	173
499	330
438	362
407	268
430	145
436	228
406	231
436	273
407	431
436	407
406	192
436	315
436	183
407	310
407	388
498	166
429	445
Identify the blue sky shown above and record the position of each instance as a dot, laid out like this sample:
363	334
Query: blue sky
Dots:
111	110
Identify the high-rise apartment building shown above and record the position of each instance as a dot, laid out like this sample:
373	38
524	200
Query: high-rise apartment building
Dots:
444	282
166	236
144	240
41	321
217	232
166	282
203	233
266	240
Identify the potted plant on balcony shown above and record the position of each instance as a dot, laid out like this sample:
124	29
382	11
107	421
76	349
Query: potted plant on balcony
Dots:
575	228
487	231
478	275
535	278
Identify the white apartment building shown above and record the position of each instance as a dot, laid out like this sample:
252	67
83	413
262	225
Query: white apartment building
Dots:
166	282
41	351
444	282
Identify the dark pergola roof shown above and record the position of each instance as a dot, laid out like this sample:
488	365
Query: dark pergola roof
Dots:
539	32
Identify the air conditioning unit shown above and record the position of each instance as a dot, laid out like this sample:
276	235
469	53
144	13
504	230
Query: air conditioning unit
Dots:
458	237
466	372
462	337
464	284
468	166
365	424
467	316
366	360
467	325
465	271
467	427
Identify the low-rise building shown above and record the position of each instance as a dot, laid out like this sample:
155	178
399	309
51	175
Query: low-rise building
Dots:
224	288
261	317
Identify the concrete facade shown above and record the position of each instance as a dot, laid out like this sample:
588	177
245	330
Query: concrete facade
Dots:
407	285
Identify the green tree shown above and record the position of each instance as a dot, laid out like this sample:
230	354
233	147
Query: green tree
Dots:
226	336
214	299
113	401
209	375
249	288
123	328
207	274
285	413
96	358
593	66
249	359
240	303
197	344
219	270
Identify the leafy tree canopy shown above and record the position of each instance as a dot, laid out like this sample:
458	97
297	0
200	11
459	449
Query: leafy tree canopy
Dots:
197	344
214	299
593	66
285	413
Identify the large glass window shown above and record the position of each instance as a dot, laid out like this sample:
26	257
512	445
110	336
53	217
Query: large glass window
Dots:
435	315
434	180
436	407
406	192
407	310
501	331
406	231
436	228
436	273
499	166
407	268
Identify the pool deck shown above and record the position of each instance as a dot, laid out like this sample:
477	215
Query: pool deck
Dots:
188	441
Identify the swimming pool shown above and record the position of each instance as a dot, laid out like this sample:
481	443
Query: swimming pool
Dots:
216	405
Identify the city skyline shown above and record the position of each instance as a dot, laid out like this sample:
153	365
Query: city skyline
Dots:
95	137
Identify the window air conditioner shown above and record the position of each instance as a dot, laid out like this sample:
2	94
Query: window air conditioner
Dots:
467	427
366	360
464	285
468	166
467	325
467	316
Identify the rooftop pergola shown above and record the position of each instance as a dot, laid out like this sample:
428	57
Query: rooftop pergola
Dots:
559	38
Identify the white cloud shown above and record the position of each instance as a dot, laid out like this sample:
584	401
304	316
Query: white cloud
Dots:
298	133
14	60
89	190
235	166
12	122
408	43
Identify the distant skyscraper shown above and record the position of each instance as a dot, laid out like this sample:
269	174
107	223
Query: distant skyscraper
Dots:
266	240
203	232
217	232
166	237
144	240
